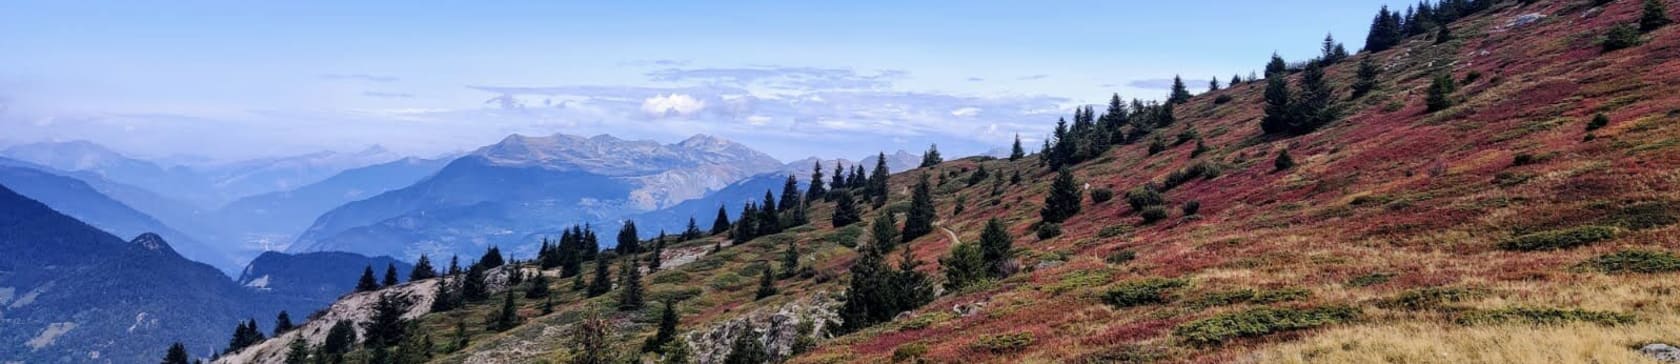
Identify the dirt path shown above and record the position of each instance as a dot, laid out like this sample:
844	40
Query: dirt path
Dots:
949	233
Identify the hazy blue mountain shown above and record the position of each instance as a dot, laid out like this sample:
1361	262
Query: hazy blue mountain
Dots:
78	199
178	183
504	194
265	175
704	210
272	220
316	278
72	293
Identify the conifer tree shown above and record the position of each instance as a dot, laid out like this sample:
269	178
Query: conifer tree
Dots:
539	287
790	259
1015	151
878	182
996	248
386	326
883	232
845	209
721	223
919	220
747	349
422	270
390	275
446	296
655	258
768	221
790	195
1443	35
473	287
667	330
628	241
367	282
492	258
1277	108
591	340
341	338
1213	85
931	157
1180	94
1332	52
766	284
1235	80
1366	77
630	291
691	232
1440	92
1283	161
297	352
507	317
601	283
282	323
1276	68
1655	16
1385	31
816	192
454	265
676	352
866	303
461	338
1063	200
963	267
1316	105
177	354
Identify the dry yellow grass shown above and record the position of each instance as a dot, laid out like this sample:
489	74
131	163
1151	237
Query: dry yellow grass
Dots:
1446	343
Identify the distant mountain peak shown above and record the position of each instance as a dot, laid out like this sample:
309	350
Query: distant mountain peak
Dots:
152	242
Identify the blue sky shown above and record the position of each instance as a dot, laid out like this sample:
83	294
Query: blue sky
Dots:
235	79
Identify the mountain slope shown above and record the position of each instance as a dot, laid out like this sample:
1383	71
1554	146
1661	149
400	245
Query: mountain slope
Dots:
84	156
317	279
274	219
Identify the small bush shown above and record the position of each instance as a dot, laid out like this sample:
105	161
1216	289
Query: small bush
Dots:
1260	322
1559	239
1114	230
1192	207
1522	159
1153	214
1142	197
1120	257
1004	343
669	278
1543	316
1221	99
1047	231
1599	121
846	236
1226	298
1203	169
1430	298
1370	279
1283	161
909	353
1101	195
1633	261
1143	292
1645	215
1620	37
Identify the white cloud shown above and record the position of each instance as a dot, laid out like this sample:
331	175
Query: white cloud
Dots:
758	119
678	104
966	112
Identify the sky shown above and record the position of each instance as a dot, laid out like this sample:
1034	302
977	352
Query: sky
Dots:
229	80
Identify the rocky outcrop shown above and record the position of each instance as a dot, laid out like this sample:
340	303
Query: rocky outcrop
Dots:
783	329
1661	352
355	307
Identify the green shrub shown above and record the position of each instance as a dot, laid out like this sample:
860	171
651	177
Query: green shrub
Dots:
1633	261
909	353
1559	239
1114	230
1143	292
669	278
1101	195
1226	298
846	236
1430	298
1644	215
1192	207
1047	231
1260	322
1203	169
1120	257
1153	214
1004	343
1144	196
1621	36
675	294
1522	159
1543	316
1221	99
1598	121
1370	279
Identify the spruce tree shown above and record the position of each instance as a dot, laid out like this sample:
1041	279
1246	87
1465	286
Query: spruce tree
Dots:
1015	151
790	194
386	326
282	323
1283	161
628	241
454	265
655	257
919	220
676	352
630	291
721	223
1365	78
931	157
1316	105
839	178
790	259
1440	92
1235	80
539	287
667	330
1385	31
883	232
1655	16
996	248
845	209
601	283
422	270
747	349
1180	93
816	192
866	303
444	299
390	275
1213	85
473	287
1276	68
177	354
1277	108
963	267
691	232
492	258
878	182
367	282
507	317
341	338
1063	200
766	284
768	221
297	352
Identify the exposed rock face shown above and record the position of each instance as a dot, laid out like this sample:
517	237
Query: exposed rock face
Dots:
1661	352
356	307
782	329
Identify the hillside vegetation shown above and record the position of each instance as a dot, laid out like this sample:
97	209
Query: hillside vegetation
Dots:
1493	221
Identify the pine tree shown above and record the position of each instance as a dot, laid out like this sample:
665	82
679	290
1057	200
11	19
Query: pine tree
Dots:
367	282
507	317
1440	92
1283	161
601	283
341	338
883	232
845	209
919	220
996	248
297	352
667	330
790	195
1213	84
1180	94
492	258
422	270
1276	68
630	291
721	224
473	287
1655	16
1385	31
878	182
1015	151
1443	35
1316	105
461	338
1278	106
656	257
839	178
390	275
768	221
629	243
1329	53
676	352
386	327
790	259
691	232
177	354
1366	77
539	287
282	323
931	157
747	349
766	284
816	192
445	298
454	265
963	267
1063	200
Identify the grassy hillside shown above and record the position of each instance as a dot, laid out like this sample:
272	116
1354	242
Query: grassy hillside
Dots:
1495	230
